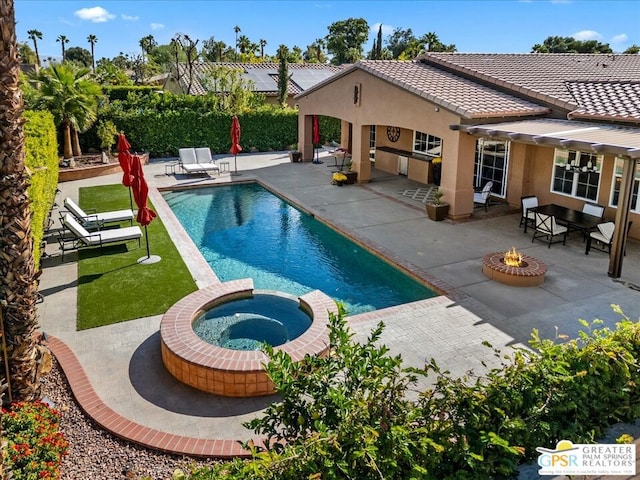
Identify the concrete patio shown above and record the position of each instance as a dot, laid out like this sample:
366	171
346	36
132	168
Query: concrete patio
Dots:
125	380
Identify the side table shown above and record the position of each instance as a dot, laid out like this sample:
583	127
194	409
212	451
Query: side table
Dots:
224	166
170	168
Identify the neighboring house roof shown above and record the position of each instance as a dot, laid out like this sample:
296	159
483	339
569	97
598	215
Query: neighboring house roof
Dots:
550	77
589	86
263	75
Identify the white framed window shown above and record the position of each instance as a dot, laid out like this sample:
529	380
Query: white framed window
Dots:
576	174
615	188
492	164
427	144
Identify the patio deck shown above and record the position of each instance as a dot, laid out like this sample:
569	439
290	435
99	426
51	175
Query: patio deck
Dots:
124	378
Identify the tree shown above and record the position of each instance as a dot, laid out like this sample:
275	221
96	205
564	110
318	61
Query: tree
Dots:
556	44
244	44
18	277
63	40
213	50
263	43
92	39
379	44
78	55
346	39
399	40
108	73
315	52
72	98
26	53
283	75
236	29
147	44
632	50
35	35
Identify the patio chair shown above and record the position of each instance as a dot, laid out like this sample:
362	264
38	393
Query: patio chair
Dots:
197	160
602	238
593	209
546	226
528	217
81	237
481	198
93	219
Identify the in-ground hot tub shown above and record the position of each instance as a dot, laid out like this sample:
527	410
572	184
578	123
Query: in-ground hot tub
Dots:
239	372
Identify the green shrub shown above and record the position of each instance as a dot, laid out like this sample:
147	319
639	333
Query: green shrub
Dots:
348	415
35	444
121	92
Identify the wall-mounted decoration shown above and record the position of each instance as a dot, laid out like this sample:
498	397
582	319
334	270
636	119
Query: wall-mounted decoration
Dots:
357	93
393	133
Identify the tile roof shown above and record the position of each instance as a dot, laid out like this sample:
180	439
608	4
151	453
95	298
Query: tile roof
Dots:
553	77
264	75
454	92
617	101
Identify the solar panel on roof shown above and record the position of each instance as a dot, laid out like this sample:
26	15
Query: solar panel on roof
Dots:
308	78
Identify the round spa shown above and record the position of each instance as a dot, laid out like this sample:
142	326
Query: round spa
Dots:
211	339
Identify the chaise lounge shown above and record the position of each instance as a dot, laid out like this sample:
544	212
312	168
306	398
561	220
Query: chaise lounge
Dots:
81	237
197	160
96	219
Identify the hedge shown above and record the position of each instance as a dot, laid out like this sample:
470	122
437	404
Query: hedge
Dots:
41	158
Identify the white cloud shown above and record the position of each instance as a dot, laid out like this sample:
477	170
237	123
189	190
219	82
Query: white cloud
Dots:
584	35
622	38
157	26
95	14
130	18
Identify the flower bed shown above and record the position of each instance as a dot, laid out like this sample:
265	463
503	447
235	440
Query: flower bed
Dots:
90	166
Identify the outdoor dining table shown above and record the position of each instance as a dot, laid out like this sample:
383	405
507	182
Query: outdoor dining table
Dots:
572	219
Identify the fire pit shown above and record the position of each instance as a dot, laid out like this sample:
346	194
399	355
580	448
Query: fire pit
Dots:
514	268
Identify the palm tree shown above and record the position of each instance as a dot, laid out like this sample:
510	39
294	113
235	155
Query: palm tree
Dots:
18	277
244	44
92	39
72	97
263	43
35	35
237	30
147	44
62	39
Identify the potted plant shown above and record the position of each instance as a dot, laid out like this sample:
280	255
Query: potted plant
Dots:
437	209
338	178
294	154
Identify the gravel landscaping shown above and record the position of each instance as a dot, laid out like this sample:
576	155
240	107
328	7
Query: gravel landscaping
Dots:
97	455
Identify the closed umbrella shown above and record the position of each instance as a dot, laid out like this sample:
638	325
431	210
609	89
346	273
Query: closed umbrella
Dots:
124	157
316	138
235	142
140	194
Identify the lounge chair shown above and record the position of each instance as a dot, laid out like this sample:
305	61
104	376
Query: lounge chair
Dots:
96	219
81	237
197	160
546	226
527	216
481	198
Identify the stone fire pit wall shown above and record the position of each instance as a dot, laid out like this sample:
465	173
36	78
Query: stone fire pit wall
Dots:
530	274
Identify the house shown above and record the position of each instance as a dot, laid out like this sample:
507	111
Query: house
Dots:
564	127
264	77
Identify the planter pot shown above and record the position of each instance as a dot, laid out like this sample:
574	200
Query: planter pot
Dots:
437	212
295	156
351	177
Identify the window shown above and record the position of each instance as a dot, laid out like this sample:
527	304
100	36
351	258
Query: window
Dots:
427	144
372	143
615	190
492	159
576	174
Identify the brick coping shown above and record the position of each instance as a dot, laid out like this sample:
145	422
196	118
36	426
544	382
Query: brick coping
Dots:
121	427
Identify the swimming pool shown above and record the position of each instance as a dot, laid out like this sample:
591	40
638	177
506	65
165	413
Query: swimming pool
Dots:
245	231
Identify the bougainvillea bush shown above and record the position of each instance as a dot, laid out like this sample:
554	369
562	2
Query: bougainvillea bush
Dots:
35	444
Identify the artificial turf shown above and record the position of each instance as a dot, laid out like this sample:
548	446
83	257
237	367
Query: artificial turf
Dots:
112	286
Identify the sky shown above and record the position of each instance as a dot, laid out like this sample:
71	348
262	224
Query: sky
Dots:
474	26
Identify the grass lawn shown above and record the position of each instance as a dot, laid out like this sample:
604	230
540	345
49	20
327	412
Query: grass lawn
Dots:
112	286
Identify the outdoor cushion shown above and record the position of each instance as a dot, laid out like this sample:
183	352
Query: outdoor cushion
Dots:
103	236
101	217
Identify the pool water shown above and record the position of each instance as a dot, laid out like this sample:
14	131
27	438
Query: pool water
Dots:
245	231
248	323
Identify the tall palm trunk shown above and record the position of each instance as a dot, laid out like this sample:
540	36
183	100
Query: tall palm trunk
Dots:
67	150
18	278
75	142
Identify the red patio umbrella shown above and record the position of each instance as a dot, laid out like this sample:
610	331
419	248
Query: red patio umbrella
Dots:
124	157
316	138
235	141
140	194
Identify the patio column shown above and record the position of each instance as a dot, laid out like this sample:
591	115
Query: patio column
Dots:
305	137
360	155
622	218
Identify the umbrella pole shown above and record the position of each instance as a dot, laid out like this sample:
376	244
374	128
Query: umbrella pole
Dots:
146	237
130	199
235	165
148	259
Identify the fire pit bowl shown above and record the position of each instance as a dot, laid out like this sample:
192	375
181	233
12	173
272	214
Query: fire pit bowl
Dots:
526	271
